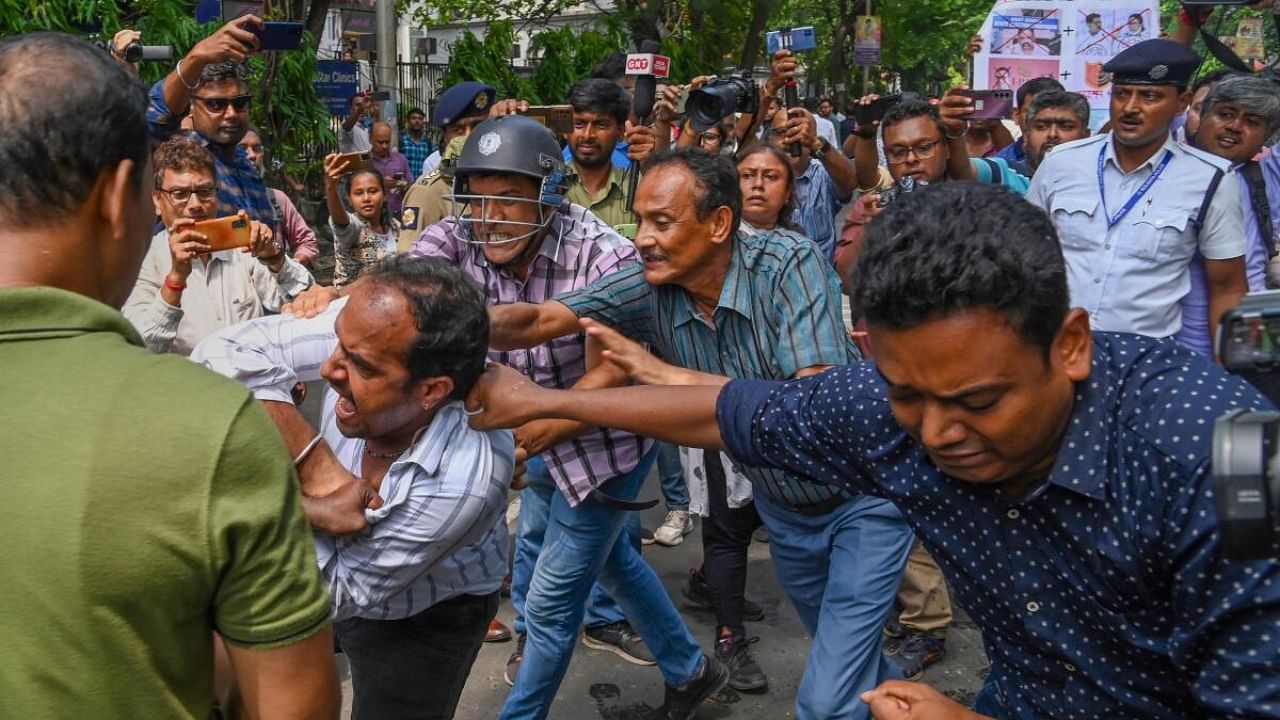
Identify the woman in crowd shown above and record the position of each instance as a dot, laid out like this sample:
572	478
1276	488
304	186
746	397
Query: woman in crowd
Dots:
766	179
300	240
366	233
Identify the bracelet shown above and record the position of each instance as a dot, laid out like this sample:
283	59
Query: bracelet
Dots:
174	286
307	450
178	69
962	132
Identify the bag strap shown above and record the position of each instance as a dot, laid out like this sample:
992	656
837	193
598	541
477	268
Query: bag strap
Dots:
1208	199
1252	173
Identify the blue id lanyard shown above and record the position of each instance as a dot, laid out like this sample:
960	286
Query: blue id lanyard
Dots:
1113	220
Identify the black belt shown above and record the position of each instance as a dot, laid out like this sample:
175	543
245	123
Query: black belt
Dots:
610	501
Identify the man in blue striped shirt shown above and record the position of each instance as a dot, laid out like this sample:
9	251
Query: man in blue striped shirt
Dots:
407	503
765	306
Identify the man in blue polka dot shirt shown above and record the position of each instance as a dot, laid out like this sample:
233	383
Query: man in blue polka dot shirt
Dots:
1059	476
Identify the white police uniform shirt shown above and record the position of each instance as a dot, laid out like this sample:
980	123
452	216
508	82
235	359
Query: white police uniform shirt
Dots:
1132	277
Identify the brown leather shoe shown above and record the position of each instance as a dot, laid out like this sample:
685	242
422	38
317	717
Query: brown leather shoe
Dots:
497	632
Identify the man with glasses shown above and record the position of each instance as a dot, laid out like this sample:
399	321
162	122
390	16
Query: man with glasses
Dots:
211	81
184	292
825	178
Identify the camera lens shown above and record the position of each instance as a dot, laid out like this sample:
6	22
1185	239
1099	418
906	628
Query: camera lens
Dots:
707	105
132	52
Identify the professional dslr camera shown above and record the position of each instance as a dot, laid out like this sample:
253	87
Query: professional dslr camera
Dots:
1246	445
720	98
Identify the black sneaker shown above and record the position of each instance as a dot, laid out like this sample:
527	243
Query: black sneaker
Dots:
744	673
681	703
697	595
619	639
918	651
513	662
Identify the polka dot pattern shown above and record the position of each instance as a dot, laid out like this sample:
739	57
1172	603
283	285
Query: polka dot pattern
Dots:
1101	592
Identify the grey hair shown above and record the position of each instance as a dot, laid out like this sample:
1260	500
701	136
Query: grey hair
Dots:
1075	102
1256	95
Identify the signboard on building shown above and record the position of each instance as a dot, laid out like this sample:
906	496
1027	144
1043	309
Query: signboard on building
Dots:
336	82
866	40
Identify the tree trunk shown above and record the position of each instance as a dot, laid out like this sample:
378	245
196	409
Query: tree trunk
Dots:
755	33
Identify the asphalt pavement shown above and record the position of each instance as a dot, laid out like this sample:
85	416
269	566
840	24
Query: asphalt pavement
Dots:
602	685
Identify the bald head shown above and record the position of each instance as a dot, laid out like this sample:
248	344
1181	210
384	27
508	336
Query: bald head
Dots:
380	138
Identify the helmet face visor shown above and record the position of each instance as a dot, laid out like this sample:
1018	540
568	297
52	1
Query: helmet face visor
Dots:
498	219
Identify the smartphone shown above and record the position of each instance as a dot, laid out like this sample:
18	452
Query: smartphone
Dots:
559	118
225	233
874	113
989	104
356	161
794	39
277	35
381	96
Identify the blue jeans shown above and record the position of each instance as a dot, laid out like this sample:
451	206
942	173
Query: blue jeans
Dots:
535	507
582	544
841	571
988	701
674	490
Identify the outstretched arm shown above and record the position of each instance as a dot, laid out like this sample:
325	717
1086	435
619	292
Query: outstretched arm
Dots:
523	325
685	415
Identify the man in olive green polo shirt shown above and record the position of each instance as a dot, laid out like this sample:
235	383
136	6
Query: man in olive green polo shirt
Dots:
149	503
600	110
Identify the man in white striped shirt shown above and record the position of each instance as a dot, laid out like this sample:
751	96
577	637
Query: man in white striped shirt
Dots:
406	501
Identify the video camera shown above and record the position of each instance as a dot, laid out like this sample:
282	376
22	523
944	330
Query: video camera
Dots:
136	52
906	184
1246	445
720	98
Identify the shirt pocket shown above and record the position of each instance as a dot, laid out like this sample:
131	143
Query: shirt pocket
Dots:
1073	217
1155	235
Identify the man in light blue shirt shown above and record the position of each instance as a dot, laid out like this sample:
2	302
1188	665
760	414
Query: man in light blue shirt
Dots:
1238	116
1133	206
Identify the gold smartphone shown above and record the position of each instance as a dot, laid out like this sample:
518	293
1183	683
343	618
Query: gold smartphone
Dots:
225	233
352	162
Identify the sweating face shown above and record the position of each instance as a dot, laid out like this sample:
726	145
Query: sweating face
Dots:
1142	114
985	403
674	243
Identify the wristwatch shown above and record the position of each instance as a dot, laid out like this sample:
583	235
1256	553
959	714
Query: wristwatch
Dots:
824	147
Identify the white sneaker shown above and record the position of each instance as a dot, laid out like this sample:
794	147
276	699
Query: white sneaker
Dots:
678	524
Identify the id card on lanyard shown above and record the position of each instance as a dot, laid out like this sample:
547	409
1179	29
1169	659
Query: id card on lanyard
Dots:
1113	220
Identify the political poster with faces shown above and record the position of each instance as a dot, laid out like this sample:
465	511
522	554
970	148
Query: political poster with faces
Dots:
1069	40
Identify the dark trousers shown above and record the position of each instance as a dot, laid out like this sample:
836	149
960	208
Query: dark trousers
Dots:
415	668
726	535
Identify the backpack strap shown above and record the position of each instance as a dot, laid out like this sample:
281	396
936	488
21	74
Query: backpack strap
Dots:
1208	199
1252	173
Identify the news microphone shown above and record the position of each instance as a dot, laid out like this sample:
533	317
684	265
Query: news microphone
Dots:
647	65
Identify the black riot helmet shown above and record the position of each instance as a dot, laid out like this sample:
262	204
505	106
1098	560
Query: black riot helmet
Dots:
513	144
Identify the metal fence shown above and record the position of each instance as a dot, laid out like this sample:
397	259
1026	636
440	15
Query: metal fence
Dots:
416	84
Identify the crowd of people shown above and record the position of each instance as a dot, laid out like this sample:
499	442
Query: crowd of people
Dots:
920	355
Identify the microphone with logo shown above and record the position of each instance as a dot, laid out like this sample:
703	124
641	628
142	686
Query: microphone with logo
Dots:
647	65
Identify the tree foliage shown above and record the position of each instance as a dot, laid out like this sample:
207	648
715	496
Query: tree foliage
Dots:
568	55
486	59
286	109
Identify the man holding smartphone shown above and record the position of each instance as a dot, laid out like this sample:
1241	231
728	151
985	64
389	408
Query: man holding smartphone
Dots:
212	81
393	166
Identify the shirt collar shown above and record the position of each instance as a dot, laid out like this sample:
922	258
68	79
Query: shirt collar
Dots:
46	312
617	178
1149	163
1082	464
735	294
432	442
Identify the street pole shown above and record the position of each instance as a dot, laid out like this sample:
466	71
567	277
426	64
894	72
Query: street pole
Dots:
385	72
866	69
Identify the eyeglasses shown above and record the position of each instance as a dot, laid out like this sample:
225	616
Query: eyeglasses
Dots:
180	196
898	154
710	137
219	105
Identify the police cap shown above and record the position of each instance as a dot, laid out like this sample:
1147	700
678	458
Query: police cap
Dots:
463	100
1154	62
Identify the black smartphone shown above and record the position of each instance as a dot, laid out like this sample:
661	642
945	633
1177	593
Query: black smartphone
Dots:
277	35
380	96
874	113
